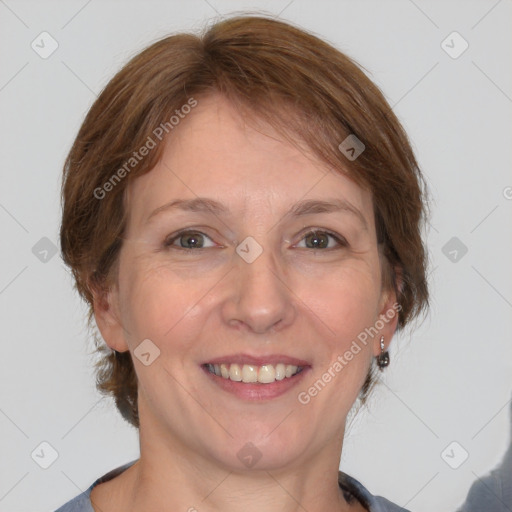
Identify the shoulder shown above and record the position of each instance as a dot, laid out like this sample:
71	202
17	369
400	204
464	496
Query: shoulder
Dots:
492	493
369	501
82	502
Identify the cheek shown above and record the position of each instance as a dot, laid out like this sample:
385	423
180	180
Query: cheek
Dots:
156	303
348	307
346	300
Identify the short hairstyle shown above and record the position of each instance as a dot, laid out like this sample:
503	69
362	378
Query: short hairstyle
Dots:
272	71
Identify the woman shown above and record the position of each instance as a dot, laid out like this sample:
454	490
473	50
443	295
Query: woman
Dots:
242	213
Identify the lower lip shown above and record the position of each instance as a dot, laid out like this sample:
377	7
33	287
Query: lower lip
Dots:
257	392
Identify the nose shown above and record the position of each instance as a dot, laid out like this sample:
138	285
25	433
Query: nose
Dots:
259	300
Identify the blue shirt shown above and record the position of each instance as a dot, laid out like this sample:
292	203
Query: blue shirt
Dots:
350	486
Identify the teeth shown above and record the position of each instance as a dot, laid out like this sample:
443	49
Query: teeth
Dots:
224	371
250	373
280	371
290	370
234	372
266	374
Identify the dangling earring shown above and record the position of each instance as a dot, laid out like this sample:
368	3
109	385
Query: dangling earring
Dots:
383	357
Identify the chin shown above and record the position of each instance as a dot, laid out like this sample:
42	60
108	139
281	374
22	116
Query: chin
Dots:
260	449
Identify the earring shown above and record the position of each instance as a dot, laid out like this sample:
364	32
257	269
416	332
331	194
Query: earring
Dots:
383	357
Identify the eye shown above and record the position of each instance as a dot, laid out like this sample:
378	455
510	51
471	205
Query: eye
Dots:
188	240
319	239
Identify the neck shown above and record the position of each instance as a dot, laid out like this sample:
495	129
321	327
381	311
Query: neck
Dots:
173	483
170	476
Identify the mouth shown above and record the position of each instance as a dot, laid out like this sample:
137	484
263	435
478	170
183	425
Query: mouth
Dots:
251	373
256	378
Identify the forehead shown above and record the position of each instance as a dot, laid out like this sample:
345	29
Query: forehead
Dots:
215	152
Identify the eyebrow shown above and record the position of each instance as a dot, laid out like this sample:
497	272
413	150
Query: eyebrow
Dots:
306	207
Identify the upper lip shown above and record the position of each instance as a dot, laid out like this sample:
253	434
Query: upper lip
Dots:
272	359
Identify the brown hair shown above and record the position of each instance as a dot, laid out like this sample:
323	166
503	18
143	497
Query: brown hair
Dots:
275	72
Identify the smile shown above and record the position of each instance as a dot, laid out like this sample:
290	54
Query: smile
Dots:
250	373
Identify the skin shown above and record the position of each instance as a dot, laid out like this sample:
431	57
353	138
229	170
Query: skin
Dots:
208	302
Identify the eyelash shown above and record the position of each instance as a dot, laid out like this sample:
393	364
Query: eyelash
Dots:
342	243
168	243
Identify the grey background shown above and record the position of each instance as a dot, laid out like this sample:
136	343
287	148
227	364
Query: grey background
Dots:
450	380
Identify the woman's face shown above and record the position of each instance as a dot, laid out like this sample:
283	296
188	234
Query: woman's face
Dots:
247	287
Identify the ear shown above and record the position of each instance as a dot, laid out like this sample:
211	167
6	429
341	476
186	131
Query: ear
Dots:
389	309
106	313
